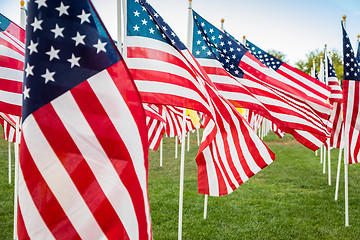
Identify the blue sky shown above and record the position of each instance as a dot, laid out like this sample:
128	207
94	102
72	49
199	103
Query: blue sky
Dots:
293	27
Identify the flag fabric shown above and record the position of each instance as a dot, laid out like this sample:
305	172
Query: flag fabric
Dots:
155	123
8	122
12	52
333	82
83	157
173	119
277	130
166	73
284	106
351	93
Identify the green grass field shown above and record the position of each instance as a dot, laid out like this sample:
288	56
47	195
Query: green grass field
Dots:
290	199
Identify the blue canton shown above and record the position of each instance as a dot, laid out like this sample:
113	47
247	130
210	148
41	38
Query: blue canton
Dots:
65	45
209	42
351	66
144	21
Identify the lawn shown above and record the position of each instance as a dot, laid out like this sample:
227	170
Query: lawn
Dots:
290	199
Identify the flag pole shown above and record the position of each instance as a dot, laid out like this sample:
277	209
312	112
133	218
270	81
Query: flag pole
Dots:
119	34
17	139
161	152
182	163
339	165
176	146
222	24
346	160
124	48
188	141
326	78
9	162
357	44
197	136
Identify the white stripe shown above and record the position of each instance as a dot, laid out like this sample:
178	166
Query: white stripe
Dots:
310	137
107	93
34	223
11	98
8	52
11	74
169	89
13	40
59	180
308	83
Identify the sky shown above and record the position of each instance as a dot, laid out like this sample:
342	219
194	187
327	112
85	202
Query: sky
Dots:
294	27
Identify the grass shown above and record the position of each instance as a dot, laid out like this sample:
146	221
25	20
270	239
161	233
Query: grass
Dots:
290	199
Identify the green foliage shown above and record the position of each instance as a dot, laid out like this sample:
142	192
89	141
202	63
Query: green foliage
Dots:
277	54
290	199
306	65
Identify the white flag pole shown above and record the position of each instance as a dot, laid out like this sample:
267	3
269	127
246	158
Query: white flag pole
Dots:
346	160
189	41
198	136
123	37
161	152
339	165
321	154
324	160
205	206
119	27
176	146
188	141
9	162
222	24
329	164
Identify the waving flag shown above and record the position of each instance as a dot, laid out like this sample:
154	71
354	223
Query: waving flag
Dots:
282	106
12	51
351	89
155	123
83	160
166	73
8	122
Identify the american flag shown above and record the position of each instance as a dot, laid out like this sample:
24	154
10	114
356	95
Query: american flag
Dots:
9	122
166	73
290	112
83	160
12	51
173	118
351	91
336	100
155	123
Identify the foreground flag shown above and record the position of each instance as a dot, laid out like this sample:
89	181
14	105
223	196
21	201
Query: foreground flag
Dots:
12	51
351	93
166	73
83	160
8	122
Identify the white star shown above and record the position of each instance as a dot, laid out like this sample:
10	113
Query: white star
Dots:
220	36
157	27
53	53
156	15
347	45
222	44
236	72
211	30
84	17
74	61
79	39
233	56
199	32
202	24
197	52
163	35
229	42
208	53
58	31
231	49
172	42
203	47
173	34
151	31
136	13
213	38
231	66
41	3
225	51
136	28
100	46
198	42
165	29
26	92
144	22
37	24
32	47
29	70
49	76
62	9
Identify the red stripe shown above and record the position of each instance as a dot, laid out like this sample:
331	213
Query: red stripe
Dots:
16	31
21	229
10	108
117	153
215	71
11	86
49	208
12	47
78	169
12	63
220	179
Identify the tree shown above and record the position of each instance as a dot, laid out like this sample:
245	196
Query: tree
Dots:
306	65
277	54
